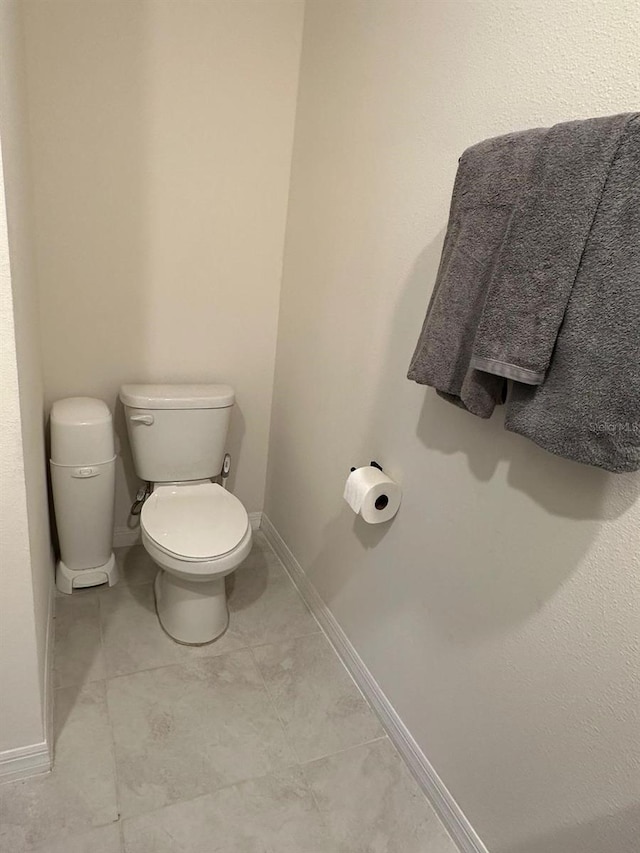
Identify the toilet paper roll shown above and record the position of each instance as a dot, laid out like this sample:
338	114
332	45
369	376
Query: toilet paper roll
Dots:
372	494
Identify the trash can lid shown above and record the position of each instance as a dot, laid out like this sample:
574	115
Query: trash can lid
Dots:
80	410
81	431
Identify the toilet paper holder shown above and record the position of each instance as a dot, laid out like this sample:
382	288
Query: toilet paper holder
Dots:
373	464
382	500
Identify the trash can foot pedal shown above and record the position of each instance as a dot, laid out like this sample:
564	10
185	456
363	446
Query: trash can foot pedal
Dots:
69	579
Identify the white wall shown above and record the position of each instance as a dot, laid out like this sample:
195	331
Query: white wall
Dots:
161	139
20	700
25	549
499	610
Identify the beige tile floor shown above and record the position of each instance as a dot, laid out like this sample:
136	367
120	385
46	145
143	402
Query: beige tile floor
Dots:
257	743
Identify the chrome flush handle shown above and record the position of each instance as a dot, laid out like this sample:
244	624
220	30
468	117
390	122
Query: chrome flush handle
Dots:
142	419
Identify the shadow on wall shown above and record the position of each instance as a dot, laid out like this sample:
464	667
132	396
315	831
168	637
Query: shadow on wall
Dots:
138	241
614	833
562	487
91	144
507	539
125	460
494	581
480	597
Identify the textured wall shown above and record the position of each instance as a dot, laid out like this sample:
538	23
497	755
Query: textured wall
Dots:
25	549
499	610
20	706
161	138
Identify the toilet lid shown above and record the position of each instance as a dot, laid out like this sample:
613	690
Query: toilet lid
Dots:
198	521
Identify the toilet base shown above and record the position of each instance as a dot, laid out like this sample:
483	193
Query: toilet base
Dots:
69	579
191	612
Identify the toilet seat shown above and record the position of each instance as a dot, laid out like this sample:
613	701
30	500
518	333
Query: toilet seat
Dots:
194	522
199	571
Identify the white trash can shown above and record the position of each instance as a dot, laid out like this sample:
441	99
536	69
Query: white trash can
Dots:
83	482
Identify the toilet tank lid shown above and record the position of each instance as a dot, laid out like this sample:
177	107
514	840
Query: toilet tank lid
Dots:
177	396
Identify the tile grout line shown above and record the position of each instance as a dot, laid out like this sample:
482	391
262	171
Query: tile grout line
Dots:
327	638
300	765
333	649
284	575
303	764
275	709
209	793
325	819
433	789
298	593
288	640
112	739
89	597
346	749
101	612
321	630
248	647
80	685
176	663
121	834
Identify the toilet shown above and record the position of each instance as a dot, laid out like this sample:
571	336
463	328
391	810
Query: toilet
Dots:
195	530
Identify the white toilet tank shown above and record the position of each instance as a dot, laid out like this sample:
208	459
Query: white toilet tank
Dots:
177	432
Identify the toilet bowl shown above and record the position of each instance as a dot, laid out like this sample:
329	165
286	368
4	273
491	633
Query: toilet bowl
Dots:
196	533
194	529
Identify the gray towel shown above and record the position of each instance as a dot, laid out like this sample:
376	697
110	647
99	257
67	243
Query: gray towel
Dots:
542	249
588	408
489	182
540	282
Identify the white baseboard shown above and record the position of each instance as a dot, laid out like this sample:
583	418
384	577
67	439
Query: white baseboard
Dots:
255	520
24	761
434	788
125	536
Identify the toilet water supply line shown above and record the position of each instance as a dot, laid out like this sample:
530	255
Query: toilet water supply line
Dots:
142	495
226	468
144	491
